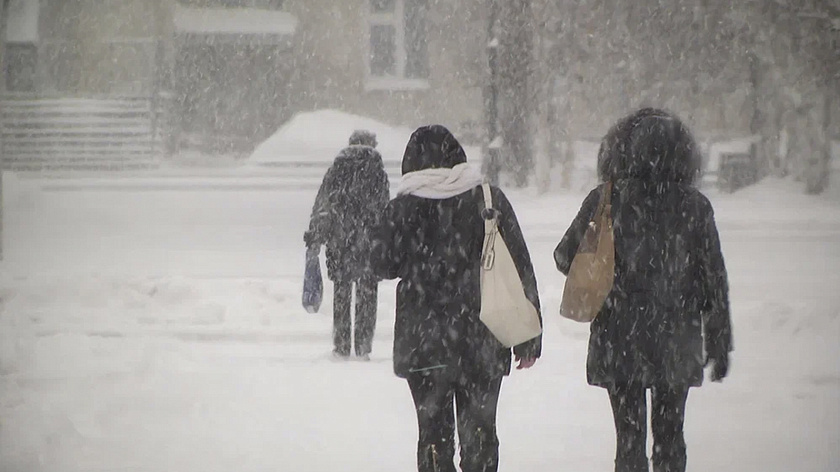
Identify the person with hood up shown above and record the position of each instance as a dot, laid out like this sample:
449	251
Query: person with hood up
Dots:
431	239
352	197
670	291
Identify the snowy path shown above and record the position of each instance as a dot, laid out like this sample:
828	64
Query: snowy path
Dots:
160	330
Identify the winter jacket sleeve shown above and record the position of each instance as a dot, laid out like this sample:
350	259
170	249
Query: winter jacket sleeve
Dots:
512	234
320	220
386	258
565	252
384	188
717	325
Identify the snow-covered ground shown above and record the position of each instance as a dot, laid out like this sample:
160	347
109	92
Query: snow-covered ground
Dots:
157	328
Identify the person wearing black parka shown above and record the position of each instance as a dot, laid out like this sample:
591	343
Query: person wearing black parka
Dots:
431	239
350	201
670	293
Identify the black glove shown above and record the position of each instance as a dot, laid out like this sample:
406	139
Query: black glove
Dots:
720	366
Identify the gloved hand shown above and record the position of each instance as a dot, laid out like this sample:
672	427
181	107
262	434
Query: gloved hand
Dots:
720	366
525	362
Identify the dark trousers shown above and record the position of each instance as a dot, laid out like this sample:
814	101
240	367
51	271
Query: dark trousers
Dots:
437	395
629	404
366	294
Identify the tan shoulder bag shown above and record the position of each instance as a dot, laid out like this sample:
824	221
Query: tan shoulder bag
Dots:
592	272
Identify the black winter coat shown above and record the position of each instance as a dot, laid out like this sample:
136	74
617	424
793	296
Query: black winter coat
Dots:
670	290
434	247
349	205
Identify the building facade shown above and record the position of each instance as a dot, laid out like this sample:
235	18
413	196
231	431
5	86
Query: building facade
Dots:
228	73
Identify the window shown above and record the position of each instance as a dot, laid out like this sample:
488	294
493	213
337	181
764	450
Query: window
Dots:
21	58
398	54
20	63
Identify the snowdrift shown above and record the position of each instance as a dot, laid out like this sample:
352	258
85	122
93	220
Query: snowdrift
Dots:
317	136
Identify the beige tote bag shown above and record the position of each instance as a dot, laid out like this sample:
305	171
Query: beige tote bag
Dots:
505	309
591	276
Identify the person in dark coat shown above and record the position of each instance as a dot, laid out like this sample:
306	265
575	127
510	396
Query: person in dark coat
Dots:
431	239
670	293
351	199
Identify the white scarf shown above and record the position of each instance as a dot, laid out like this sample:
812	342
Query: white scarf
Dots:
440	184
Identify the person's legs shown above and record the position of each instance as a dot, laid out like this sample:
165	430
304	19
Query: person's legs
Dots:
433	401
476	403
630	414
341	317
667	419
366	298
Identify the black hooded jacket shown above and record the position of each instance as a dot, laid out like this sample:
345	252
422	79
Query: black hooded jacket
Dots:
349	204
670	290
434	248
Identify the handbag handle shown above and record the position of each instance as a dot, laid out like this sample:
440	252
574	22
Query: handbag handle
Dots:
589	241
491	227
605	202
604	205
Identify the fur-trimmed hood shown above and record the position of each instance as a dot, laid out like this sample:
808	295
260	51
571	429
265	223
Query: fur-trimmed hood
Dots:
652	145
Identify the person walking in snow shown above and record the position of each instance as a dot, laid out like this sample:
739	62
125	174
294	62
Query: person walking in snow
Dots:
431	239
670	292
352	197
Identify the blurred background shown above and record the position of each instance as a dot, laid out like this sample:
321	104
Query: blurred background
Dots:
533	84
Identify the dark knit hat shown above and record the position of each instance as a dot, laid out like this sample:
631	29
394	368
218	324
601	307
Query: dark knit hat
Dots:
363	137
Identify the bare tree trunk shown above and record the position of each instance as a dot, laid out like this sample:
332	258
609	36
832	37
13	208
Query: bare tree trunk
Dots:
565	88
4	15
543	73
515	66
492	151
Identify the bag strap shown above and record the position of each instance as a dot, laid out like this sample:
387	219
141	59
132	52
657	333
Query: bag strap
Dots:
488	204
488	255
605	202
608	191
